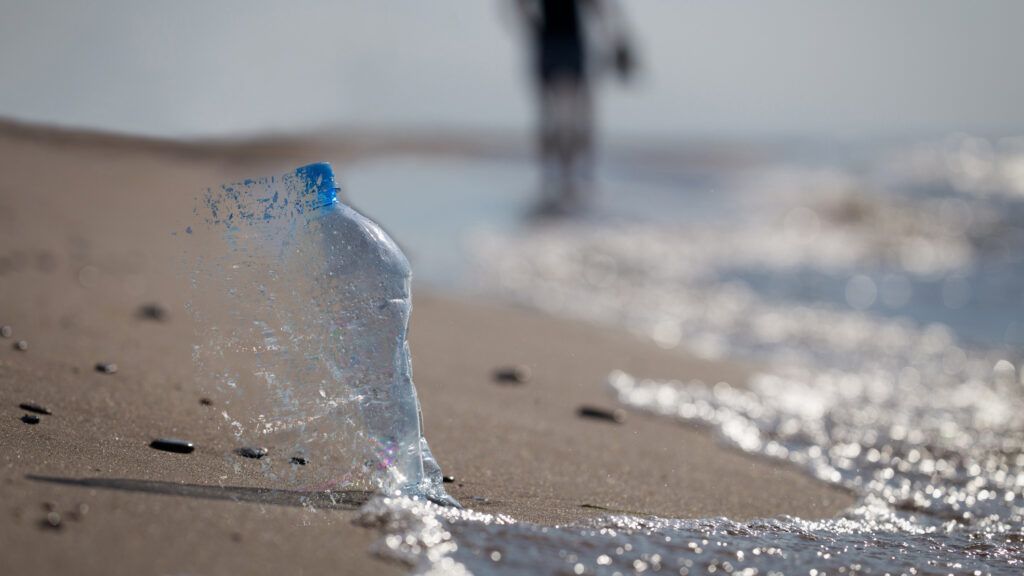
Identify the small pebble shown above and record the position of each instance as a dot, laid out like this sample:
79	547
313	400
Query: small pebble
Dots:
448	479
33	407
6	331
106	367
79	512
21	345
299	460
617	416
250	452
30	419
172	445
153	312
206	402
52	520
513	374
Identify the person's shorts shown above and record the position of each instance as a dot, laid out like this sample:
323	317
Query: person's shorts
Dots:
561	58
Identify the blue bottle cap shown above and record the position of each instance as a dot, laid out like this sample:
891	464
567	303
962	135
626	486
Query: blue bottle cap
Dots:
318	184
251	201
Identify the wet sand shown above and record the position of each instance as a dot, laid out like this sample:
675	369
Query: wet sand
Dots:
85	240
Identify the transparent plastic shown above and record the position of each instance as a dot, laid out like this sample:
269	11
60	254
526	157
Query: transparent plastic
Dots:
303	306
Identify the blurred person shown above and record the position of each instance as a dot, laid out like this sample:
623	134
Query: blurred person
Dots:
562	51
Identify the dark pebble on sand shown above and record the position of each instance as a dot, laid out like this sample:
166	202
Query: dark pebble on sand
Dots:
206	402
153	312
617	416
6	331
513	374
172	445
250	452
299	460
33	407
448	479
30	419
106	367
21	345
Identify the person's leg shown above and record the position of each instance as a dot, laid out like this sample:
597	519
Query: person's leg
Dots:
582	139
586	135
573	138
564	134
548	149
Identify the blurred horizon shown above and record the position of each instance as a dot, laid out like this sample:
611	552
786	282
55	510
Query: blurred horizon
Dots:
739	69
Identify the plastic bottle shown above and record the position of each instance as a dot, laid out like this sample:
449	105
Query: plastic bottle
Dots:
338	288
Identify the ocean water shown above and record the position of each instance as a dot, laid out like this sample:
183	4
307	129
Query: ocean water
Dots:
880	289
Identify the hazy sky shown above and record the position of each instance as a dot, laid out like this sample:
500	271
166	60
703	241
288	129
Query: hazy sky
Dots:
710	66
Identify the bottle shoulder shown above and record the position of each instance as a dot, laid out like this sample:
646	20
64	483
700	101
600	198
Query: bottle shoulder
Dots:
352	234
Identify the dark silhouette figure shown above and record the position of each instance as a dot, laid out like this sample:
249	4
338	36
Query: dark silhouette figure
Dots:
564	69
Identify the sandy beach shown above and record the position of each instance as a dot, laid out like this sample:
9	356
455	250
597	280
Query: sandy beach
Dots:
85	242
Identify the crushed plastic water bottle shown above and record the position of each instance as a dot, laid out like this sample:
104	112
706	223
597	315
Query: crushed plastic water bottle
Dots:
303	306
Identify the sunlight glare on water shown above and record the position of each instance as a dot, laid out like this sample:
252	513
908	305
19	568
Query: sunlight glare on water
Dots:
883	326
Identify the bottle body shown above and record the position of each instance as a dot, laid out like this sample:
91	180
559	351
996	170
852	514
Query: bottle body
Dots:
321	296
373	280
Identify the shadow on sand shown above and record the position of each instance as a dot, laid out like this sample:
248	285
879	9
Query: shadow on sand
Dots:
334	500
